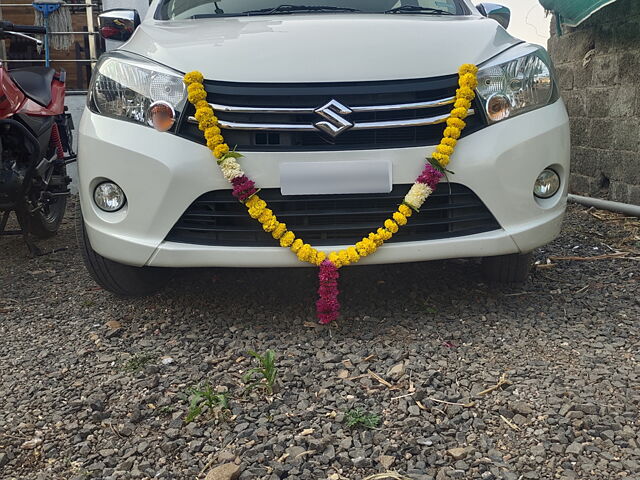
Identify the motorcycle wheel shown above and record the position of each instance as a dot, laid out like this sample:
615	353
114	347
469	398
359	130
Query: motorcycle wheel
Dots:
45	224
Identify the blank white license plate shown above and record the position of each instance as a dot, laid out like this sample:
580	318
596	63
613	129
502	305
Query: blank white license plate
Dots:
330	178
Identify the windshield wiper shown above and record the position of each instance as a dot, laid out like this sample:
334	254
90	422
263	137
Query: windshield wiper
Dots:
418	9
298	8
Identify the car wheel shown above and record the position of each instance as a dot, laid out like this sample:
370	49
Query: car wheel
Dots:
507	269
119	279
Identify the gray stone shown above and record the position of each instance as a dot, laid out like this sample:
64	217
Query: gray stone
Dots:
227	471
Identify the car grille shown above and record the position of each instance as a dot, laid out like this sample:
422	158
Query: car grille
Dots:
339	116
216	218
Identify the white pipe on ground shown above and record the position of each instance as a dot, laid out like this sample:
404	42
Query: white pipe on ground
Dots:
625	208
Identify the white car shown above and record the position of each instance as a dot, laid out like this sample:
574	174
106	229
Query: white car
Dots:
355	91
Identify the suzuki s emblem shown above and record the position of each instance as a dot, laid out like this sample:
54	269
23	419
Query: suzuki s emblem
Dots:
334	123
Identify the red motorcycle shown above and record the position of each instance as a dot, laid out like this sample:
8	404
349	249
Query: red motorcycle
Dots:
35	145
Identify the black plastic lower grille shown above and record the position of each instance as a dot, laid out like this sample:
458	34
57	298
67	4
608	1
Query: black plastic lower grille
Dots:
216	218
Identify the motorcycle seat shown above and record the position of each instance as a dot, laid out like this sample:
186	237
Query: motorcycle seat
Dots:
35	83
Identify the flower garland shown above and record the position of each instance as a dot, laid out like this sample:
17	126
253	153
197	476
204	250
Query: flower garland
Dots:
245	190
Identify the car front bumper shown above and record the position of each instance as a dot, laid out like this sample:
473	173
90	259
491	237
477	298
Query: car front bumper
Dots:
162	174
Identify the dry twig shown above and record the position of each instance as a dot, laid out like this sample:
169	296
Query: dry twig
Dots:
381	380
503	381
511	424
465	405
386	475
595	257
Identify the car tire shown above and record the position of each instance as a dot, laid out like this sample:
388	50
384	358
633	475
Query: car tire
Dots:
507	269
119	279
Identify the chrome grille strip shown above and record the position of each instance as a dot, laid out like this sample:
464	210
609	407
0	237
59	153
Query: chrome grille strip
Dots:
302	127
310	110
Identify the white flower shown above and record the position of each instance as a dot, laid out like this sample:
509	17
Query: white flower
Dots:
231	169
417	195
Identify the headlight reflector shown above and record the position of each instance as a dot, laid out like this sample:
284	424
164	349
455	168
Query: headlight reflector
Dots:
125	86
512	87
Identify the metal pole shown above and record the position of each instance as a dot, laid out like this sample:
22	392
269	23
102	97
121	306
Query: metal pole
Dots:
91	29
47	58
625	208
3	52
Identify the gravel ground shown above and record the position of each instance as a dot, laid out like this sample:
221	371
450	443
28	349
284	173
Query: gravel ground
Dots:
96	387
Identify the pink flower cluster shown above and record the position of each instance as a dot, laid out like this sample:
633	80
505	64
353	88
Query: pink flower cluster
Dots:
430	176
328	306
243	188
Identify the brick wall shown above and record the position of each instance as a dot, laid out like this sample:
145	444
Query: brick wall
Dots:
598	65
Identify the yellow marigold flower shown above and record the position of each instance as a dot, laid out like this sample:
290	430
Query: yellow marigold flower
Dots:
207	122
279	231
444	149
391	225
311	256
451	142
202	104
193	77
465	92
265	216
297	245
211	132
335	259
343	257
468	80
203	113
270	225
352	253
452	132
196	93
214	141
255	212
399	218
462	103
384	234
287	239
252	201
441	158
320	257
467	68
195	87
370	245
406	211
460	113
220	150
304	252
377	239
457	123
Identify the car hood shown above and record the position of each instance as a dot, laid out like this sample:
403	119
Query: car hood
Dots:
321	48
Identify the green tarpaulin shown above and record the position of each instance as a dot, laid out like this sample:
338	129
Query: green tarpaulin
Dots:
574	12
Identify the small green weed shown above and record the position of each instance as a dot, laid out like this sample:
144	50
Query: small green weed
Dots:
360	418
166	410
430	310
264	375
138	362
200	397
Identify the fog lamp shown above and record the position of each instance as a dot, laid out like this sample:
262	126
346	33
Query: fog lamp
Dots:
161	116
498	107
109	197
547	184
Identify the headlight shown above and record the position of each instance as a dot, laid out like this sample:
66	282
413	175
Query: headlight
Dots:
509	86
125	86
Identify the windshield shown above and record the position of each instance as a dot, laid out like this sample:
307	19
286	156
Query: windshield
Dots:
185	9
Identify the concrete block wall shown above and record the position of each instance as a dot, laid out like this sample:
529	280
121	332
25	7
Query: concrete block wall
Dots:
598	66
